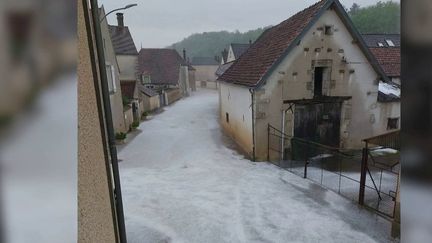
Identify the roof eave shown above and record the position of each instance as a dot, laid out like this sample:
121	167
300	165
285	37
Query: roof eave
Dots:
347	21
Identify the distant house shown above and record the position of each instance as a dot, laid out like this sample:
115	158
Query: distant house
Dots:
205	71
311	77
386	49
164	71
222	68
224	56
236	50
127	59
112	68
124	46
150	98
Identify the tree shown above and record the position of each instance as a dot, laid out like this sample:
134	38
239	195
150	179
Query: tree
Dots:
383	17
354	9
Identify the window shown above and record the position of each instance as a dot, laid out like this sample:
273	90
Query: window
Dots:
110	78
392	123
380	44
390	43
145	79
227	117
328	30
318	80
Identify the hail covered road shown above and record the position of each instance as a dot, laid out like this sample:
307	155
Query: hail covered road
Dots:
182	181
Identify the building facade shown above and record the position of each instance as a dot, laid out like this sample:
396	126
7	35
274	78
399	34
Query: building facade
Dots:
311	77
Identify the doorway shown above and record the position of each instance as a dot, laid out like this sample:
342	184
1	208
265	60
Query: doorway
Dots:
318	81
318	123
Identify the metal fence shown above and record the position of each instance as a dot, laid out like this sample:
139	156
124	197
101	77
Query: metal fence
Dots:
371	181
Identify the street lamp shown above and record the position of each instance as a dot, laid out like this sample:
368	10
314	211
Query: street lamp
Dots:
117	9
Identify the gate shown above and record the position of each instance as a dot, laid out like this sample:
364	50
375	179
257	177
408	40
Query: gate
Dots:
381	168
347	173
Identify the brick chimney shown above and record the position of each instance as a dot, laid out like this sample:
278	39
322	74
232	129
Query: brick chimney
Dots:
120	21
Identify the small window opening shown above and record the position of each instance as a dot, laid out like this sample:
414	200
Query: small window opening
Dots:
227	117
380	44
392	123
328	30
318	80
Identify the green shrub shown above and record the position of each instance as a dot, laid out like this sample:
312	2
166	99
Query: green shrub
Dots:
120	135
135	124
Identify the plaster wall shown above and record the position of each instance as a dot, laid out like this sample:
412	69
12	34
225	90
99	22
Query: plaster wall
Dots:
236	102
128	65
115	96
293	79
95	216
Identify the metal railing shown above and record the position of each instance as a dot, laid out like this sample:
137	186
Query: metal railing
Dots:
348	173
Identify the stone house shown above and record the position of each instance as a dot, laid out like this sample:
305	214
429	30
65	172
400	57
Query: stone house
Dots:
113	76
205	74
311	76
127	59
164	71
124	46
386	49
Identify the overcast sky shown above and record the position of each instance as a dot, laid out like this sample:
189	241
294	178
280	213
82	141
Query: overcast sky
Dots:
159	23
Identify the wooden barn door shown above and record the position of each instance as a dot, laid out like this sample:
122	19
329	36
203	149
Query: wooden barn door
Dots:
318	123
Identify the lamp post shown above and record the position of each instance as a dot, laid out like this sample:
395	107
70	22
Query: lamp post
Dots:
117	9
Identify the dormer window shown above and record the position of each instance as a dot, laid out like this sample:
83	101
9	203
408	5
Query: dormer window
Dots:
328	30
145	79
390	43
380	44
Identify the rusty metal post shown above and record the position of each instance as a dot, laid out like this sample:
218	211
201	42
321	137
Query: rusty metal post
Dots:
268	142
305	169
363	175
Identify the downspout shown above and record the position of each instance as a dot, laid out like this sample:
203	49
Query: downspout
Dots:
283	135
108	121
253	123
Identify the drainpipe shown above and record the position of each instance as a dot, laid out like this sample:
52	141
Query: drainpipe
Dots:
106	107
253	123
283	135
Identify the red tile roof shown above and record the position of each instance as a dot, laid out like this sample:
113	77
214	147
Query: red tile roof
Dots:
163	65
128	88
389	59
258	59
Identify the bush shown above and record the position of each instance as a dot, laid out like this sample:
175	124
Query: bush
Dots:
144	114
135	124
120	135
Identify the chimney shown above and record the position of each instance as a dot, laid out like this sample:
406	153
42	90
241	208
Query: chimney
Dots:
120	19
250	42
184	54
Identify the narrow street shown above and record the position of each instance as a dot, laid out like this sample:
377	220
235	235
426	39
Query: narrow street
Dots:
183	181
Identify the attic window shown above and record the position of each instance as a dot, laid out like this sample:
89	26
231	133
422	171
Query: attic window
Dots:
328	30
392	123
380	44
145	79
390	43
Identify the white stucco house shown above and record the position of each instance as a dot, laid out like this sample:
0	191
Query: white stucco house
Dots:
312	77
205	71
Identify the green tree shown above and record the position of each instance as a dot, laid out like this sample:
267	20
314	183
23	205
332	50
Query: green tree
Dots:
210	44
383	17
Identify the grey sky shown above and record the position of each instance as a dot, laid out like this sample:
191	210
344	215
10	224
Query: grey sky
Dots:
159	23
